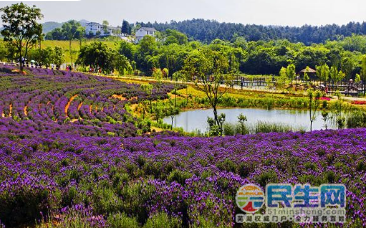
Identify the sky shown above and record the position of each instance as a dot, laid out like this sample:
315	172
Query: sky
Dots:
261	12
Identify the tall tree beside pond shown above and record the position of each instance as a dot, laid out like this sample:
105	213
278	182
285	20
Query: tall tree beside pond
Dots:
314	102
207	69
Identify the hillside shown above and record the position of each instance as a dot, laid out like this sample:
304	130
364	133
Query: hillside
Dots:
208	30
51	25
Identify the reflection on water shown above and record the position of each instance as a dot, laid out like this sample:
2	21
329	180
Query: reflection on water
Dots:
197	119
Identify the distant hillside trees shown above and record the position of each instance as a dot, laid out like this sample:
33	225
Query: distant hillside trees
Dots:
209	30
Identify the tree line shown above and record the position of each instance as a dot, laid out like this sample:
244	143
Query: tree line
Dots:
209	30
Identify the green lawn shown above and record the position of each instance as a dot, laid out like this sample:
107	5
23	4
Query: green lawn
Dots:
75	45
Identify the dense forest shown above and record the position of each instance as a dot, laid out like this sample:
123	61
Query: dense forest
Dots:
209	30
250	57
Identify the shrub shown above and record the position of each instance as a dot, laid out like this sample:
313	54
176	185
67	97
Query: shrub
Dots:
227	165
25	205
179	176
229	129
121	220
163	220
266	177
105	201
356	119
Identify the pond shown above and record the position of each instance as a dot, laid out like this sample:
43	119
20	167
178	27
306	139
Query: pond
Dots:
194	120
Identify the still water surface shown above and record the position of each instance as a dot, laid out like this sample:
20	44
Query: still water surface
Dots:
197	119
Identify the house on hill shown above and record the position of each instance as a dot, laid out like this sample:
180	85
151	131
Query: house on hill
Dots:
144	31
94	28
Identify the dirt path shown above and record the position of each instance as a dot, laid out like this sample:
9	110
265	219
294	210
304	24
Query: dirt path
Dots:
119	97
69	103
25	110
354	98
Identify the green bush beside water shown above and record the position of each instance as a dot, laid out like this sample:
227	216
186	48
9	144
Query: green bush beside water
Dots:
259	127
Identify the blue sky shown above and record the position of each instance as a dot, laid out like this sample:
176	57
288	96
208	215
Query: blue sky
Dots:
265	12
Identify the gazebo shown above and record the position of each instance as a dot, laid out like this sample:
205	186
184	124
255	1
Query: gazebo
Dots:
311	73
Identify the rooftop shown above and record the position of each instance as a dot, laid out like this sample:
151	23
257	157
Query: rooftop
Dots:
148	29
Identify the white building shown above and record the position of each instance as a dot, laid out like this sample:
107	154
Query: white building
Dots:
93	28
96	28
144	31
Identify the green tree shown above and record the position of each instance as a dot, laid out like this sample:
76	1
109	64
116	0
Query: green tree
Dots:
21	28
347	66
146	55
340	76
72	30
148	89
314	101
3	52
176	77
323	73
42	56
358	78
207	68
55	34
105	25
291	72
282	79
363	73
97	55
58	57
333	74
173	36
242	119
126	27
127	49
325	116
122	64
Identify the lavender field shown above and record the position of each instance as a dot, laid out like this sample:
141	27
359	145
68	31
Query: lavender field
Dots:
72	156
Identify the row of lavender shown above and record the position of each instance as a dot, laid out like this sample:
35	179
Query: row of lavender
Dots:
193	180
70	102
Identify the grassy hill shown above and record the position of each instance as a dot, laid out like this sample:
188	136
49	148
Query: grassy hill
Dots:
75	45
49	26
